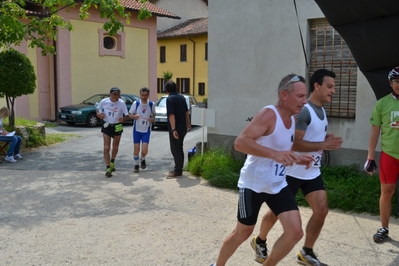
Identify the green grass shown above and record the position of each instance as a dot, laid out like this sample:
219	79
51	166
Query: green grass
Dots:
21	122
50	124
59	137
347	188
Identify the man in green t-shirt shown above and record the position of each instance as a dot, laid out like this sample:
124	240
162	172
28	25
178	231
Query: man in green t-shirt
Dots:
385	120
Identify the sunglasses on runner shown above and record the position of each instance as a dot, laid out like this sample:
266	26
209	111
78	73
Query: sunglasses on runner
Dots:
294	79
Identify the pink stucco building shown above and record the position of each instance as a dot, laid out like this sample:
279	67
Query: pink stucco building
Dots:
89	61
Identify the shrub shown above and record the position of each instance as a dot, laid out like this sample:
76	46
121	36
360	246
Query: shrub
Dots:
218	167
347	188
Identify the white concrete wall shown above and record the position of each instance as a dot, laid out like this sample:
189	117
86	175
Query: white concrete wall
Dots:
252	45
186	9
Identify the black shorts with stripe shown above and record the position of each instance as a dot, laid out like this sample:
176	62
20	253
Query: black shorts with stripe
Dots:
250	202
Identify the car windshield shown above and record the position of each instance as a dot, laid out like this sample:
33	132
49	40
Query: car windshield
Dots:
161	102
95	99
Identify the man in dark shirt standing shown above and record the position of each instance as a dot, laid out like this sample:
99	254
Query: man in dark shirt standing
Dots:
179	125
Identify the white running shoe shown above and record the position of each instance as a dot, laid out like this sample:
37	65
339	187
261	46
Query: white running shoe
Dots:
18	157
10	159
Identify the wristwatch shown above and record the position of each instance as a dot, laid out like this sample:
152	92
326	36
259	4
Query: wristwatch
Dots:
173	130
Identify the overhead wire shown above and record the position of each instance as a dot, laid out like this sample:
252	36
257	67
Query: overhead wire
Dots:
300	33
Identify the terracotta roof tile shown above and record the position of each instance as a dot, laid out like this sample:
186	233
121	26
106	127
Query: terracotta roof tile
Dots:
128	4
155	10
197	26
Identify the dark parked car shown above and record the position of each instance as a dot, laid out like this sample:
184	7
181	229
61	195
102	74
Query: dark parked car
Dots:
161	118
85	112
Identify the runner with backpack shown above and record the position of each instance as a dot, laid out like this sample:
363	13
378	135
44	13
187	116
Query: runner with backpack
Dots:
143	113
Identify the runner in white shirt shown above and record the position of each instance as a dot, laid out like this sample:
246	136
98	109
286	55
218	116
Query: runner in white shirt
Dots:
310	138
114	112
143	113
268	140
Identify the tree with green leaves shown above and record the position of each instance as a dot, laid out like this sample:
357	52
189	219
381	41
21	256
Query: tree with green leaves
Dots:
17	78
38	21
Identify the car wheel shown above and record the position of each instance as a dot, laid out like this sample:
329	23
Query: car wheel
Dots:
91	120
71	123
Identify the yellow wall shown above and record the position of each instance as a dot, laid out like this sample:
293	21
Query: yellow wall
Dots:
92	73
185	69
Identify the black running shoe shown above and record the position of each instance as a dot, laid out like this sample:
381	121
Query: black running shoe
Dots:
381	235
143	164
136	168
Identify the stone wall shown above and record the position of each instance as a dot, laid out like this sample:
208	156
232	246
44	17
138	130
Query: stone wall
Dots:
24	132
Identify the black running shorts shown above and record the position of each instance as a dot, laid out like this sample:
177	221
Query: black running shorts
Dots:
249	203
306	186
111	129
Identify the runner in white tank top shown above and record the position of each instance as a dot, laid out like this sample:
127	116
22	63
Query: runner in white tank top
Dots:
267	140
316	131
262	174
143	113
310	138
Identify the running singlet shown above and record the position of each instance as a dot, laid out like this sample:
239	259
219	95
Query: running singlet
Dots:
145	111
264	174
316	131
113	110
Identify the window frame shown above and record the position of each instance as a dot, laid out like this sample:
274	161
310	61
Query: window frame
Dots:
328	50
201	88
206	51
162	54
119	47
183	52
183	85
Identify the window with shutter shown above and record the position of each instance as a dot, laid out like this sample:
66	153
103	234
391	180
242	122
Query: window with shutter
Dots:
183	53
162	54
183	85
328	50
206	51
201	88
178	83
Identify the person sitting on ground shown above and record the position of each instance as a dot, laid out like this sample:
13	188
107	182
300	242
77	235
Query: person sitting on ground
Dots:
15	141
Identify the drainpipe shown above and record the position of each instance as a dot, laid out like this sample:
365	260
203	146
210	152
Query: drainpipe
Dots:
55	80
193	64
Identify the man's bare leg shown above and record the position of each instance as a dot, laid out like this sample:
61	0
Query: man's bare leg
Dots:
318	202
292	226
240	233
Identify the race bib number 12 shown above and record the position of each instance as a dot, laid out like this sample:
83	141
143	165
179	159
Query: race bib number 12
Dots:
278	170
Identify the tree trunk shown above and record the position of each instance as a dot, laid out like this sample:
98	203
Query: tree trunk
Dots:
10	105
